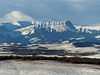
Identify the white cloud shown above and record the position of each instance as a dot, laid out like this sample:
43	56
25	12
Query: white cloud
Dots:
15	16
75	0
78	11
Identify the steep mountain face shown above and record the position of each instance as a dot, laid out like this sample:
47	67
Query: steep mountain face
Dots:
29	32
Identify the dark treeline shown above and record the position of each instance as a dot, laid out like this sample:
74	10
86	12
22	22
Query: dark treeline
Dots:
76	60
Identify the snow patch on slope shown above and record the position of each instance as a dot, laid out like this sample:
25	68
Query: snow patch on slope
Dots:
26	30
16	23
97	36
32	40
80	38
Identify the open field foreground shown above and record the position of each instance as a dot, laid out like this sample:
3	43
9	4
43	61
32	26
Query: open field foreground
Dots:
45	67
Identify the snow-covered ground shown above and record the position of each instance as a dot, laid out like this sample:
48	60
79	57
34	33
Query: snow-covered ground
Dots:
18	67
70	47
93	56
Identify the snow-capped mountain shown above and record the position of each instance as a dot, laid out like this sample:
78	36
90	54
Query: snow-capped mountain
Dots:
29	32
49	26
88	29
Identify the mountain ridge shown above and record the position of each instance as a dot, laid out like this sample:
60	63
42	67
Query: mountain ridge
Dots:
29	32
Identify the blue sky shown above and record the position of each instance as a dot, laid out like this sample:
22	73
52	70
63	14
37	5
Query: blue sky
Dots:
80	12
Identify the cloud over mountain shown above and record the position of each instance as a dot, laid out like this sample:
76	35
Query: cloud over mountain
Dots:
80	12
15	16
